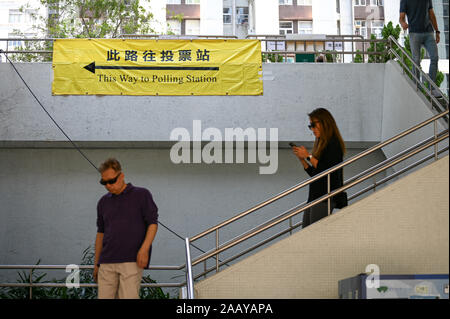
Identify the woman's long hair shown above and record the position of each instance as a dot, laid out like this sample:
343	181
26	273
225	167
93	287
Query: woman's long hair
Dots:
329	128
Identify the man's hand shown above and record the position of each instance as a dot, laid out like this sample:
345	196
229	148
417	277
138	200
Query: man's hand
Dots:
96	273
142	258
404	26
438	37
403	21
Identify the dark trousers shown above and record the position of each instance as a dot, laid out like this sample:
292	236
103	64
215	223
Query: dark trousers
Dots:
317	212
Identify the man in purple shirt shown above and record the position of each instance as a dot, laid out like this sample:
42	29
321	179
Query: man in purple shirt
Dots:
127	221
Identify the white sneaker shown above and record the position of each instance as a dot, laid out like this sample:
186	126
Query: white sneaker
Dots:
436	93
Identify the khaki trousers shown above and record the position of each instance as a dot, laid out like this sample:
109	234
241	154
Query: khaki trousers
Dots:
119	281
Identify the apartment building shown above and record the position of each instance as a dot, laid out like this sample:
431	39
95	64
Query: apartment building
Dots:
244	17
19	16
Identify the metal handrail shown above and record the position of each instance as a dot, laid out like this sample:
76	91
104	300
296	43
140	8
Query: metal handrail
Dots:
392	40
293	227
394	175
318	176
151	267
396	159
180	36
333	39
240	239
32	285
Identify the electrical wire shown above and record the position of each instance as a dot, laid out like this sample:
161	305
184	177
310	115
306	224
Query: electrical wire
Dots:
73	143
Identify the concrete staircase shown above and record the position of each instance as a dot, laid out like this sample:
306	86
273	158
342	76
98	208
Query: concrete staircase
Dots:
403	228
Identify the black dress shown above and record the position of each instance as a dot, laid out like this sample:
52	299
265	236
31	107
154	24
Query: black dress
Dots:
331	155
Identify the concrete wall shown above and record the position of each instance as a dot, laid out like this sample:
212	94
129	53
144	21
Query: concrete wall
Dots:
403	108
291	91
402	228
49	197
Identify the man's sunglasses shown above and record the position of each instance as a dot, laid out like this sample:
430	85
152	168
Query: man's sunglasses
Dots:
312	125
110	181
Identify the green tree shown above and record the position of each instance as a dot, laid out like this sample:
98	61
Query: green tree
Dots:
390	30
95	18
358	57
85	19
387	31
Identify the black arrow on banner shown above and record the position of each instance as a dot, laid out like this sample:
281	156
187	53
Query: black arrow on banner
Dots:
92	67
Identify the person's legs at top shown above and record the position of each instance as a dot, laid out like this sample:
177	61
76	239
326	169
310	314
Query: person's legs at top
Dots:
316	213
415	43
306	218
431	47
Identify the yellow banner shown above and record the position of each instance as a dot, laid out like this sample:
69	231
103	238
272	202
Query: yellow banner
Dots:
157	67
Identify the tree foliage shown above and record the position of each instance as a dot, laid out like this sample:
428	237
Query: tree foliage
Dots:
95	18
83	19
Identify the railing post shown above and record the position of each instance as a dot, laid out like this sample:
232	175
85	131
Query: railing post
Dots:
31	283
217	248
329	190
391	57
189	278
353	49
290	226
435	145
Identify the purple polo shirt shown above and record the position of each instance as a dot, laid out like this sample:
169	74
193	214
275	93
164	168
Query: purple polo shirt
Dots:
124	219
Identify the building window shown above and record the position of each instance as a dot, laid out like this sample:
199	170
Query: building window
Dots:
15	16
360	2
241	15
227	15
377	28
192	1
361	28
173	1
304	2
192	27
30	16
286	27
285	2
305	27
14	44
174	26
376	3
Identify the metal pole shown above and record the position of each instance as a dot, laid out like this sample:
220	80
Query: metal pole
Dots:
31	283
329	198
435	137
217	248
189	280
